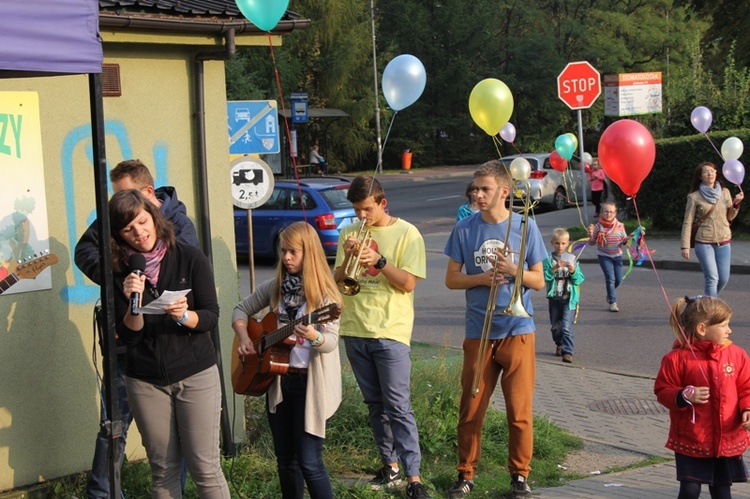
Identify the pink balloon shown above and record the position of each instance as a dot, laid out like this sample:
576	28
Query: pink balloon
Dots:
627	153
734	171
508	132
701	119
557	162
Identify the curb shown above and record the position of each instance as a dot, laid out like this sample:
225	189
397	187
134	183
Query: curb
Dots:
739	269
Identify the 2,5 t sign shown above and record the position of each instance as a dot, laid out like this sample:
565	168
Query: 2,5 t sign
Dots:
579	85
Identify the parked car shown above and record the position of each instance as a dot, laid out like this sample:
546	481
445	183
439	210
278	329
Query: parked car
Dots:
325	207
551	187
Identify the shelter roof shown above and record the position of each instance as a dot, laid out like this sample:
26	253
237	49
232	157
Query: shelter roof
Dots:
318	113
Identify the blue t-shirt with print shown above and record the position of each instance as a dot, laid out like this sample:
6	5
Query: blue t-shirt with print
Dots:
470	244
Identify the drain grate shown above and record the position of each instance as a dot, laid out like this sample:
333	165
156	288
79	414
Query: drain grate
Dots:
628	407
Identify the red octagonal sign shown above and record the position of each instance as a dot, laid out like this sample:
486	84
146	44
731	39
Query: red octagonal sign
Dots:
579	85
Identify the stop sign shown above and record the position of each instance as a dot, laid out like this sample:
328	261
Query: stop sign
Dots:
579	85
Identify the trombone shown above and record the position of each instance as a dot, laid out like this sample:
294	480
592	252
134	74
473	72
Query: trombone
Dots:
515	306
354	271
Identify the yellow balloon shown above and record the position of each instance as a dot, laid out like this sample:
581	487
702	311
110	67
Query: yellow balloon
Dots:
575	139
491	105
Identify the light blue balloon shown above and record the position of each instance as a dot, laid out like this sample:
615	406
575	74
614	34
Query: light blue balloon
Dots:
265	14
404	79
565	146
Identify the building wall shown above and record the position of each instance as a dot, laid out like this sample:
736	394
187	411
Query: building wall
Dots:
49	403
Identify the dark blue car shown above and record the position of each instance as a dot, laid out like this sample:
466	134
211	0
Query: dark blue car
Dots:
325	208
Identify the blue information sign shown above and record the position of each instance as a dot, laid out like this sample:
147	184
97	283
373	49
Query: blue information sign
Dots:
253	127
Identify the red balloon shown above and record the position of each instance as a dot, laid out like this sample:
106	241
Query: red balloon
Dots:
626	153
558	162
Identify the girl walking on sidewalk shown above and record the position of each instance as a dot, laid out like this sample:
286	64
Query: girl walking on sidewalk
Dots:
705	383
609	234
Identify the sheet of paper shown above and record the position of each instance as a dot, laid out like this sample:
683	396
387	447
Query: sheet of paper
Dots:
568	258
166	298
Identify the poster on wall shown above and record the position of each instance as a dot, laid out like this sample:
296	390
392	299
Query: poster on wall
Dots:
24	233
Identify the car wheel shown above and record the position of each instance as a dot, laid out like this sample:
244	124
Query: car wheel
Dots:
558	201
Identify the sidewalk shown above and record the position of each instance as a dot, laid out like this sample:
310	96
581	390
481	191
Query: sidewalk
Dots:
616	410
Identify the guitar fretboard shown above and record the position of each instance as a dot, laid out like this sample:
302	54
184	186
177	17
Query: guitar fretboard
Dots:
283	332
8	282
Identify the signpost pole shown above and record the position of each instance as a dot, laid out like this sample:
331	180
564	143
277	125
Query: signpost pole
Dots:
250	252
583	170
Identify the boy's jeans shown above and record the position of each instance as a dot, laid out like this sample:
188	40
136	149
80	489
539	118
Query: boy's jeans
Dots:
561	322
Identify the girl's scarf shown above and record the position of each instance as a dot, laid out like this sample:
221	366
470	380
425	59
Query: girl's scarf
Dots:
292	296
601	238
153	261
712	194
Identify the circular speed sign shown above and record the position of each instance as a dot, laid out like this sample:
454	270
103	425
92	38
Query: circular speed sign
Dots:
252	182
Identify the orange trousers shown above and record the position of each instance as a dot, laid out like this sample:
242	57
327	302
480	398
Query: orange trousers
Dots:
513	361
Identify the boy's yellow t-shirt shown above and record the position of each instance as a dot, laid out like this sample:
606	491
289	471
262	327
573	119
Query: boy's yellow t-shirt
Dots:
381	310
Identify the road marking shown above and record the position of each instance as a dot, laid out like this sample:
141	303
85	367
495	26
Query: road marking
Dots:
444	197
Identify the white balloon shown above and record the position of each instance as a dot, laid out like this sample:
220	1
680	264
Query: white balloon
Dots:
520	169
404	79
731	148
587	158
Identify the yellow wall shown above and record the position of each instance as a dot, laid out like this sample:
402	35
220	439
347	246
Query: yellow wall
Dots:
48	395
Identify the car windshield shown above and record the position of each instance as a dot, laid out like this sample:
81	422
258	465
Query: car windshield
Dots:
336	198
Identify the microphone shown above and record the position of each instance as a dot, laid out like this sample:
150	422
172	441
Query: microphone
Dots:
137	264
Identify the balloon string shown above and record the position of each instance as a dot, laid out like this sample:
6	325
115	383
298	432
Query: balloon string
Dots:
388	133
712	145
664	293
316	270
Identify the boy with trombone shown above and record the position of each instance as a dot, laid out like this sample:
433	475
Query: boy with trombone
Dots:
377	266
501	253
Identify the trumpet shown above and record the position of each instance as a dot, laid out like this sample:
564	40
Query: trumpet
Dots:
515	306
354	271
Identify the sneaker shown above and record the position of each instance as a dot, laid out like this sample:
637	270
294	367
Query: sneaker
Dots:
417	490
519	488
567	358
461	488
386	478
558	351
613	307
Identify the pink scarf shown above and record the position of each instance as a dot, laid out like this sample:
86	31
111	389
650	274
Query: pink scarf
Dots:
153	261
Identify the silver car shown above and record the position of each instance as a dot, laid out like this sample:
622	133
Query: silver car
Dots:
550	187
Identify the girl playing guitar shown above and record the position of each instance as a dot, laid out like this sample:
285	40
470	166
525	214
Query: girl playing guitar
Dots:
299	402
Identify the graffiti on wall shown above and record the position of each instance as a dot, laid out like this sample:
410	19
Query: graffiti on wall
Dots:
24	232
79	178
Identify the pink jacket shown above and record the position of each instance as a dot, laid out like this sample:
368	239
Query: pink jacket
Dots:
717	431
597	179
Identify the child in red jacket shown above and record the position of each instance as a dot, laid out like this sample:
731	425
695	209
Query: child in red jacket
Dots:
705	383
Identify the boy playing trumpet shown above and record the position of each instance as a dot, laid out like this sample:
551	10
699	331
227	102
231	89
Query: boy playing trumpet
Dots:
376	324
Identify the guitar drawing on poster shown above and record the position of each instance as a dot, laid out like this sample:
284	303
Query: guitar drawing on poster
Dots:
28	269
23	208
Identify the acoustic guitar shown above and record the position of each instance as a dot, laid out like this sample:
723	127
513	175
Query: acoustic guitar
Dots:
28	270
253	374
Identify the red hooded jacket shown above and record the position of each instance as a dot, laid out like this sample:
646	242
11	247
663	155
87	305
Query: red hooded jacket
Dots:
717	431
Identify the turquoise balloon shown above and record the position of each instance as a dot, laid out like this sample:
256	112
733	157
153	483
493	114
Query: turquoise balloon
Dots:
404	79
265	14
565	146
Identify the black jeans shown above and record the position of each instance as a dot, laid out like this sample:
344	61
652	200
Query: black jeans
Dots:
299	455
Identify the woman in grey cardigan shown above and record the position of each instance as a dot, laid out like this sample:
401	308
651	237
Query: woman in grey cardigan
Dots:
709	210
299	402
